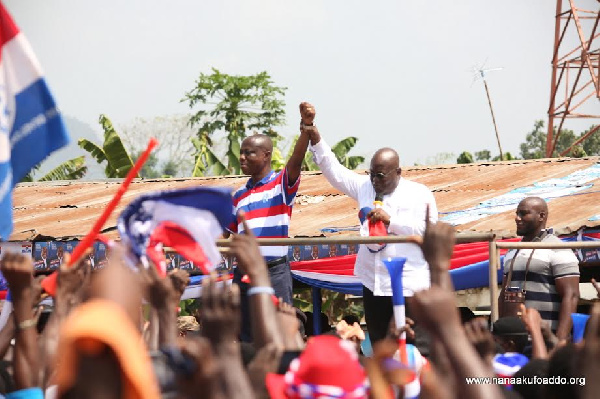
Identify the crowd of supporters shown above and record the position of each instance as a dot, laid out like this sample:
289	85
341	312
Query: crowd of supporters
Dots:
115	333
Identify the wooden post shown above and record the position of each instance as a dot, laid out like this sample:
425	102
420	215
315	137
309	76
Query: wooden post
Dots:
493	270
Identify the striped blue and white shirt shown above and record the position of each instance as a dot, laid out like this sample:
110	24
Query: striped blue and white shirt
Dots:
268	209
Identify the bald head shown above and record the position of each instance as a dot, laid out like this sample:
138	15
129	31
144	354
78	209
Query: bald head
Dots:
538	204
531	217
261	141
385	171
387	156
255	156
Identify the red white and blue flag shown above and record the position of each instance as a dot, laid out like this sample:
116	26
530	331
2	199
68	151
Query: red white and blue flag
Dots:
187	220
30	125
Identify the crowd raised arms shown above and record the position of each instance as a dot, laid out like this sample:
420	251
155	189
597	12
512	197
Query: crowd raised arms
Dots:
119	332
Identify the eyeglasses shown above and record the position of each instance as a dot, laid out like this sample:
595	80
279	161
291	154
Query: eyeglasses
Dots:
379	175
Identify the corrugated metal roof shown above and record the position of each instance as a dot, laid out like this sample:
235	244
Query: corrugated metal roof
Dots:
69	208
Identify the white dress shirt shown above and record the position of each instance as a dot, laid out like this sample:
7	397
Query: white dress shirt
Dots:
406	207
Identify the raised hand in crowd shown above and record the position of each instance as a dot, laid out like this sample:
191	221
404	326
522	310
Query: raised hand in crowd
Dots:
164	295
101	350
438	246
17	269
383	371
204	381
394	333
266	360
436	310
72	285
533	322
264	315
289	326
221	325
481	338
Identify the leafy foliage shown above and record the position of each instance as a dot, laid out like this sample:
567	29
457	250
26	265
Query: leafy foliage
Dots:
483	155
72	169
591	145
465	157
534	146
243	104
113	152
507	157
205	159
341	150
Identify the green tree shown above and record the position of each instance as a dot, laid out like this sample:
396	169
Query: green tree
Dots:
465	157
591	145
341	150
235	105
483	155
72	169
112	151
534	146
507	157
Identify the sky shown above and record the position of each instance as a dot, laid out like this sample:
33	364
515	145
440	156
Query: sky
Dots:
392	73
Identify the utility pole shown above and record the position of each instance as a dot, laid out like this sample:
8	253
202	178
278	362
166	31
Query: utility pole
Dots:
487	92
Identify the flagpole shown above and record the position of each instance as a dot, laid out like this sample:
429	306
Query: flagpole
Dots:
49	283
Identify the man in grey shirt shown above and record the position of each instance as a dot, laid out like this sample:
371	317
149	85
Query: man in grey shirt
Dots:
548	278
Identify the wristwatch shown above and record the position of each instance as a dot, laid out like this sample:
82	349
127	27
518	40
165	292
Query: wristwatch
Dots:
303	125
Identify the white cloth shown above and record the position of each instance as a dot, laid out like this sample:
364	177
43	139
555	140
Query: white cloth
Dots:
406	207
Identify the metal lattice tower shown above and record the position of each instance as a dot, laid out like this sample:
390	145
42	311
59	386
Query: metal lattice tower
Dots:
575	86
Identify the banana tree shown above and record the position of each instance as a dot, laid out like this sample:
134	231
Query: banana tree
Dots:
72	169
205	159
112	151
340	150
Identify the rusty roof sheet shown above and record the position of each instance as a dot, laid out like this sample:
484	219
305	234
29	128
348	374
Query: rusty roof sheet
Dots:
69	208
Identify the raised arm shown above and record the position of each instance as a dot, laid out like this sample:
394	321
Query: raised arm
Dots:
265	327
294	164
338	176
18	271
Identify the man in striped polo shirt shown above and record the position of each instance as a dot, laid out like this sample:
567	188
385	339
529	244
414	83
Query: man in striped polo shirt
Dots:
551	281
267	200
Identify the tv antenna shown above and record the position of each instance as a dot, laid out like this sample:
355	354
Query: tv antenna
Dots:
479	73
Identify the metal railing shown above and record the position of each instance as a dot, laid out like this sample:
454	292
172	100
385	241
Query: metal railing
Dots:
494	250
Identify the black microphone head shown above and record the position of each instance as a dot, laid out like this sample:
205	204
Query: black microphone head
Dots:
379	197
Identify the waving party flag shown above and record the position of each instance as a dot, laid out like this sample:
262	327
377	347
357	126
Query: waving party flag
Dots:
30	125
187	220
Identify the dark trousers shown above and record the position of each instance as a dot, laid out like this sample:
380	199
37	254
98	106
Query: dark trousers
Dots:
281	281
379	311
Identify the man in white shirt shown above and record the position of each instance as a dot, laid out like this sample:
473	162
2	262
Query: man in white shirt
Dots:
403	213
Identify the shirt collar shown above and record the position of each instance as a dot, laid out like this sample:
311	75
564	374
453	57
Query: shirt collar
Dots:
261	182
